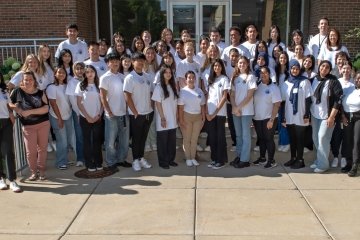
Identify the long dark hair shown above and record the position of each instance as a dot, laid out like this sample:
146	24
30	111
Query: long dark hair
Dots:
133	46
61	62
121	68
278	67
291	47
171	82
278	39
257	51
84	83
56	81
212	75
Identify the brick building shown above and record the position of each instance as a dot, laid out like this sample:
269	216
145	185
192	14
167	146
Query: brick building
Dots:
33	19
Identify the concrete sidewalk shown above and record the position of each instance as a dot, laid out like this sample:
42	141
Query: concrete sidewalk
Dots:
185	204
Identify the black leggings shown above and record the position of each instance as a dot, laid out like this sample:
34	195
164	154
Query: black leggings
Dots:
297	137
7	149
265	137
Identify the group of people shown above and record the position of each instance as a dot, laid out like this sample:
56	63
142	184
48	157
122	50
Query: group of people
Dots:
101	94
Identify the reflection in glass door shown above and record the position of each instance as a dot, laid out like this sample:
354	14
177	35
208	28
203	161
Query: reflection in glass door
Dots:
184	17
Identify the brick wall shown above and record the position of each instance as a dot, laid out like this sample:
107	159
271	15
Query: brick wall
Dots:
46	19
343	15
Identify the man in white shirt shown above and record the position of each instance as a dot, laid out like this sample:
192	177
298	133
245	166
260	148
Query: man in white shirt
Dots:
95	60
215	38
235	36
251	33
77	47
319	40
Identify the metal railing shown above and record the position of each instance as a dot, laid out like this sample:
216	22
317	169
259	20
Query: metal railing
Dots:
20	48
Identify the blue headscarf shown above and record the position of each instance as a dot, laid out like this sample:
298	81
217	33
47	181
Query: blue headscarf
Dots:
257	67
295	80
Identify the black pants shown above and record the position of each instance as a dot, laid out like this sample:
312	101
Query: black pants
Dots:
297	136
230	122
352	141
217	139
139	128
93	139
265	138
337	139
7	156
166	150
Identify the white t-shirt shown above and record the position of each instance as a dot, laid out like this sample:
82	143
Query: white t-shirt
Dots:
304	91
191	99
221	45
49	73
292	54
43	81
185	66
100	66
320	111
251	47
200	58
169	106
78	50
114	84
326	54
205	76
70	91
348	87
215	94
140	88
4	100
90	99
351	101
264	98
242	84
242	50
229	70
271	48
315	44
62	100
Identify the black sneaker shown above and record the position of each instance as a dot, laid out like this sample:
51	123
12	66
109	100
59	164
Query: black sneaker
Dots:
211	164
112	168
259	161
298	164
218	166
353	171
173	164
235	161
124	164
270	164
290	162
346	169
242	164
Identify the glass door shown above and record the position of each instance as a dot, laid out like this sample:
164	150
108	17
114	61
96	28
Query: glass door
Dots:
183	15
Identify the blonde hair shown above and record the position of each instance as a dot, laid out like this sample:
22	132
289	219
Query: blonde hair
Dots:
154	63
208	60
25	66
42	67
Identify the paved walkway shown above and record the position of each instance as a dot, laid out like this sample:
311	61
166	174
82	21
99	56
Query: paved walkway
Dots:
185	204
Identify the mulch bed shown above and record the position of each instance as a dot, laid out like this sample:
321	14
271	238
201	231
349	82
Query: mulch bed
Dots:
84	173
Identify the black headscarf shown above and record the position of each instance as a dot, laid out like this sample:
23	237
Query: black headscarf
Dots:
295	80
319	89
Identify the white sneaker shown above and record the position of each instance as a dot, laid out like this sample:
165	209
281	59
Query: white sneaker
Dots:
53	144
194	162
233	149
91	169
286	148
144	163
257	149
343	162
3	185
79	164
136	165
313	166
306	150
199	148
15	187
154	147
49	148
147	148
280	148
335	162
318	170
203	135
189	162
207	149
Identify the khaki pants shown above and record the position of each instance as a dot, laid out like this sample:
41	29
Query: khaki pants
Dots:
191	133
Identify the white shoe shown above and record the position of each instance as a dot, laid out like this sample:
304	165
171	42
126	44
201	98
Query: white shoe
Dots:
318	170
280	148
194	162
343	162
53	144
15	187
189	162
335	163
257	149
144	163
207	149
286	148
199	148
147	148
203	135
233	149
306	150
91	169
79	164
136	165
154	147
3	185
313	166
49	148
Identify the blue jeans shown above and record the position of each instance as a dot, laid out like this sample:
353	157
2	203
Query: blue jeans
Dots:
243	136
116	139
322	137
64	137
79	138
